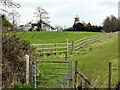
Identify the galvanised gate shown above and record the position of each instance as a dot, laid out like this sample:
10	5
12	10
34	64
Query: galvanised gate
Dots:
51	73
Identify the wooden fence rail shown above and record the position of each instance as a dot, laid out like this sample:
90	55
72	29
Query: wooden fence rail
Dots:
75	45
91	84
52	47
70	47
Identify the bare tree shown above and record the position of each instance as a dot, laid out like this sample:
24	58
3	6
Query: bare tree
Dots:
14	16
10	4
42	17
41	14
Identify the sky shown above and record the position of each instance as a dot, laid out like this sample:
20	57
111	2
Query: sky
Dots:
62	12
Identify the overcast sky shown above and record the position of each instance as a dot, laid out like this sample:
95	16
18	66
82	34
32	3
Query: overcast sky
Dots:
62	12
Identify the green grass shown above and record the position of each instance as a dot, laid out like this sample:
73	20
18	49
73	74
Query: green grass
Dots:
93	60
58	78
53	37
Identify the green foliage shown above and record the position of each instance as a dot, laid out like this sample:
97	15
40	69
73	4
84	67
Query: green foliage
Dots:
24	85
13	64
111	24
14	47
78	27
69	29
84	27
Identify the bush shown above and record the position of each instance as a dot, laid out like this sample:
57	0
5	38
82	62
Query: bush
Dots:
13	63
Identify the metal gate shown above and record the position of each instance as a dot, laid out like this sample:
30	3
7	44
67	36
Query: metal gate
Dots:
44	73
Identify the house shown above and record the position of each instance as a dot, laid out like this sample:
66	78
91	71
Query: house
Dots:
36	26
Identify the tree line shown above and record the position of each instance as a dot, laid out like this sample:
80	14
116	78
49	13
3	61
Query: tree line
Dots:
84	27
110	24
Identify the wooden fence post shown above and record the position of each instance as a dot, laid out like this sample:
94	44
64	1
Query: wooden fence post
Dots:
66	55
43	50
73	47
55	48
76	74
27	68
110	75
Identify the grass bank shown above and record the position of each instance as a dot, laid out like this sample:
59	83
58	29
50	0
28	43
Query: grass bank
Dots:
53	37
93	61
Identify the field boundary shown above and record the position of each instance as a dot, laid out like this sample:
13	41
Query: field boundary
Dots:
67	47
54	47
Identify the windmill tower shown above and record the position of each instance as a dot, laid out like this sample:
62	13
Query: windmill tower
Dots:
76	20
119	10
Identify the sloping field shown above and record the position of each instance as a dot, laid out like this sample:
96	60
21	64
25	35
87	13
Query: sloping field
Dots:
93	61
53	37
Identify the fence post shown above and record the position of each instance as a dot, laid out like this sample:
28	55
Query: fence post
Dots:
31	72
27	68
110	75
55	48
73	47
76	72
66	55
43	50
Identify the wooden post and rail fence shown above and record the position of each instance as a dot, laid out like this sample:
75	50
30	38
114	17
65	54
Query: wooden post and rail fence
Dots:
52	47
67	47
71	47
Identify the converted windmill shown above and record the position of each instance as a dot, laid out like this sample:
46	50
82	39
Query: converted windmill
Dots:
77	25
76	20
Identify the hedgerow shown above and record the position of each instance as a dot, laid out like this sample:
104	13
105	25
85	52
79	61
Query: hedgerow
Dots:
13	62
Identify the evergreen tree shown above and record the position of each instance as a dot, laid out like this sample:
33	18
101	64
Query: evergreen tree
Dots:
111	24
78	27
88	27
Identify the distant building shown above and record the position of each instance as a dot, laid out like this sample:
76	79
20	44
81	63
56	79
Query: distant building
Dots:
77	25
76	20
34	26
119	10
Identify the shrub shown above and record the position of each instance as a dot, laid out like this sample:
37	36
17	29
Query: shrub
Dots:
13	63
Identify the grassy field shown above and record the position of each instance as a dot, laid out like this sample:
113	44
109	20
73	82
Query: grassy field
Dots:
93	61
53	37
